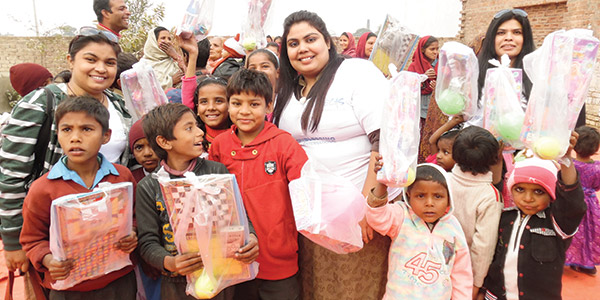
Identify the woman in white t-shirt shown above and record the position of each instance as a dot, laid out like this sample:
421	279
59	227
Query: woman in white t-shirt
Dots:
332	107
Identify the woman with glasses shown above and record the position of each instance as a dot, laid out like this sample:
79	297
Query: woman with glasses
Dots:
93	62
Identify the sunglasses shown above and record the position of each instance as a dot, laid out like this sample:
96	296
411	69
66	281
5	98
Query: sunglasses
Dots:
516	11
88	31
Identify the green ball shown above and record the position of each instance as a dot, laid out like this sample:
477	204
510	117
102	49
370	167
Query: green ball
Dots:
546	147
451	102
509	125
205	287
249	44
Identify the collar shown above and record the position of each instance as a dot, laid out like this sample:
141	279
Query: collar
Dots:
108	29
469	177
174	172
540	214
60	170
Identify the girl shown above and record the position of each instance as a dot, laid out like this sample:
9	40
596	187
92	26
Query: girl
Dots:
342	134
347	44
266	61
429	253
164	59
584	253
365	45
425	62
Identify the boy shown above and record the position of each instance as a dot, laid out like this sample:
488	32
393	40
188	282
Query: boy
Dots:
173	134
82	128
142	151
477	202
264	160
535	235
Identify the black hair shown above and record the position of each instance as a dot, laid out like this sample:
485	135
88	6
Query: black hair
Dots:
161	121
271	44
449	135
99	6
429	173
205	80
125	61
157	31
80	41
203	53
588	141
86	104
370	35
278	37
475	150
429	41
488	49
62	76
288	76
270	55
250	81
345	34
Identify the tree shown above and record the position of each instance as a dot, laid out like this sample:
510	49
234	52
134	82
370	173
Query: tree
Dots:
143	19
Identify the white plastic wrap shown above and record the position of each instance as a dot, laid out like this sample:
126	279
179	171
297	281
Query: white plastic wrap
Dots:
253	34
85	228
141	90
395	42
197	20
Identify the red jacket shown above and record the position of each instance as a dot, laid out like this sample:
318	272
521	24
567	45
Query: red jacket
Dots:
263	169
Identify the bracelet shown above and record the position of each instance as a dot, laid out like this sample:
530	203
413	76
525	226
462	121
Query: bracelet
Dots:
375	201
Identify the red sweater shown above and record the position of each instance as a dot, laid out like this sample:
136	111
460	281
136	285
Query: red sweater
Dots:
35	234
263	169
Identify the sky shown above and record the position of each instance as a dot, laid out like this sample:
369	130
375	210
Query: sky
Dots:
425	17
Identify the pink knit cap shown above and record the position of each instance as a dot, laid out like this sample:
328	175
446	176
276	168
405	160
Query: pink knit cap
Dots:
535	170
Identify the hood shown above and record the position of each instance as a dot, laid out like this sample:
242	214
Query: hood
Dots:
448	183
269	131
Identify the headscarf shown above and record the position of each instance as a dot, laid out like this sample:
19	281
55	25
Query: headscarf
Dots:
27	77
351	49
362	42
420	64
163	65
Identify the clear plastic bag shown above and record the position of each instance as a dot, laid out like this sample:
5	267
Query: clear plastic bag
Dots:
394	45
327	208
502	113
208	217
253	34
141	90
85	228
456	86
399	139
197	20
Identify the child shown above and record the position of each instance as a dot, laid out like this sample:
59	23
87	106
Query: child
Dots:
142	152
174	135
534	236
211	105
584	253
441	142
82	127
264	60
264	159
429	254
478	204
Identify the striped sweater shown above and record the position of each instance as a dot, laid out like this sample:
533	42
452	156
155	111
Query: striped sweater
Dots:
19	138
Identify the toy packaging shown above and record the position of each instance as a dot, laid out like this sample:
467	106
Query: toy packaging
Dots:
85	228
503	115
141	90
456	90
394	45
327	208
560	71
197	19
207	216
253	34
399	138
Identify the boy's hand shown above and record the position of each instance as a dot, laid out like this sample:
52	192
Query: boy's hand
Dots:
16	260
572	141
248	253
128	243
456	120
58	270
188	44
188	263
378	163
366	230
568	173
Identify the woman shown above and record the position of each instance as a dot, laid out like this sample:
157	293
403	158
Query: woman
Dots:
160	53
365	45
348	44
425	62
332	107
93	61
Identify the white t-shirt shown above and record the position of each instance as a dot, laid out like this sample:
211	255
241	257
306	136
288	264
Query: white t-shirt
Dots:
352	110
118	140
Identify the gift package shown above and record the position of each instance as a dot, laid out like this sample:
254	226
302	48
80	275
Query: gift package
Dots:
253	34
141	90
85	227
394	45
197	19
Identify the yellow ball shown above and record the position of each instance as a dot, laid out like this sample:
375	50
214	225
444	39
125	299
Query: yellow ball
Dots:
547	148
205	287
410	176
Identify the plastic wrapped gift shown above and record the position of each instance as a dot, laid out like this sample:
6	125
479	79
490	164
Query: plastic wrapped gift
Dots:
253	34
197	20
394	45
560	72
327	208
207	216
503	115
141	90
456	86
399	139
85	228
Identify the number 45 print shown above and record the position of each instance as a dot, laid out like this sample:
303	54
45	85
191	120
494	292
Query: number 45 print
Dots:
425	270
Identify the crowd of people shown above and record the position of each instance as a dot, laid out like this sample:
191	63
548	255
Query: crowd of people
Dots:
476	223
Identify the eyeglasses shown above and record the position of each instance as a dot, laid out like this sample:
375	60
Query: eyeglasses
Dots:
88	30
516	11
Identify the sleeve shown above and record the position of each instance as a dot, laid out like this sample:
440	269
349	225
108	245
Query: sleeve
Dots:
370	91
569	208
188	89
213	151
149	226
387	219
35	235
462	271
295	159
19	139
485	238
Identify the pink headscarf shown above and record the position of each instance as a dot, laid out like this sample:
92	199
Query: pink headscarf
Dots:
351	49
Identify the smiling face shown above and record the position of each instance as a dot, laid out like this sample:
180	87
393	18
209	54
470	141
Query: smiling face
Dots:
369	45
80	136
530	198
212	105
144	155
428	199
509	39
248	112
343	41
93	69
308	51
261	62
187	144
118	18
